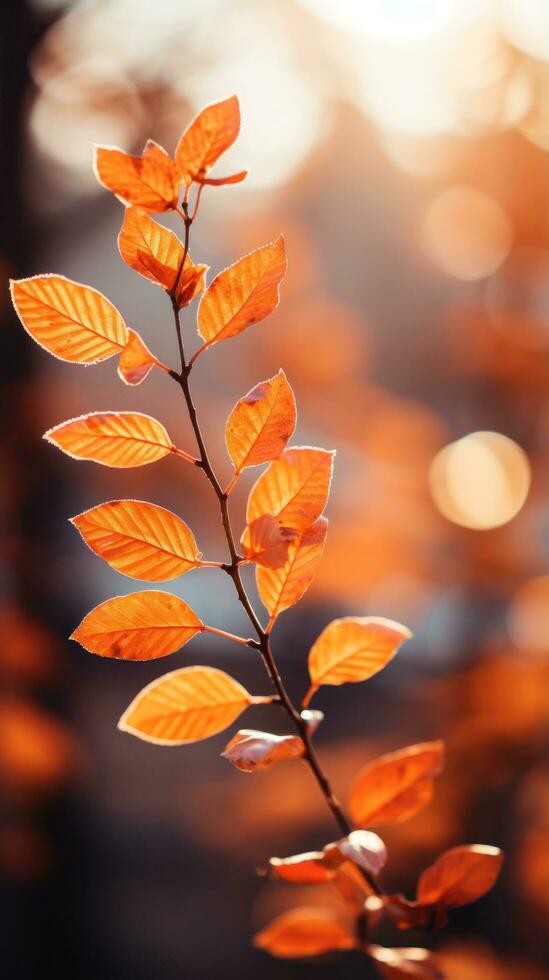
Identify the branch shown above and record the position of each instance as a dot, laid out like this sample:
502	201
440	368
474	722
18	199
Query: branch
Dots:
232	569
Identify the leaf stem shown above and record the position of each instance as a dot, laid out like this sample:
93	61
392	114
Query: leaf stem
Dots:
230	636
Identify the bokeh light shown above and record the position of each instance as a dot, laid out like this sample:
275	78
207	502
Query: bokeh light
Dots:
528	616
481	481
466	233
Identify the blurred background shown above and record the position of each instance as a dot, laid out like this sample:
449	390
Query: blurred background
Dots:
401	146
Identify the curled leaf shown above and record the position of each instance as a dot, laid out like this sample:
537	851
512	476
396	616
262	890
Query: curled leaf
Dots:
156	253
212	132
353	649
243	294
305	932
266	543
150	181
396	786
185	705
249	750
362	847
223	181
135	360
294	488
119	439
282	587
140	626
261	423
73	322
139	539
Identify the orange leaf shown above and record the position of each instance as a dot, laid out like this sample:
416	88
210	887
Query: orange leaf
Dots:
212	132
395	964
185	706
140	626
261	423
362	847
303	869
396	786
460	875
112	438
265	543
354	649
243	294
294	488
136	360
222	181
149	248
352	886
139	539
249	750
156	253
282	587
74	322
305	932
150	181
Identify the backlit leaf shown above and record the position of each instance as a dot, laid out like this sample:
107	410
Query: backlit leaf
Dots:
140	626
460	875
223	181
212	132
149	248
249	750
294	488
261	423
303	869
353	649
118	439
185	706
243	294
191	282
407	961
135	360
396	786
74	322
305	932
150	181
139	539
282	587
266	543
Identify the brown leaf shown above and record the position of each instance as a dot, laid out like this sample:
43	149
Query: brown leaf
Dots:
249	750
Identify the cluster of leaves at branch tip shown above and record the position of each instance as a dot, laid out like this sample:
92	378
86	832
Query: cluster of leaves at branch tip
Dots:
284	537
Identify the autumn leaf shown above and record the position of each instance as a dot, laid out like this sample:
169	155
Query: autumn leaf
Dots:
140	626
399	964
294	488
243	294
212	132
309	868
249	750
223	181
139	539
73	322
150	181
353	649
156	253
118	439
460	875
396	786
185	706
135	360
266	543
305	932
261	423
282	587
